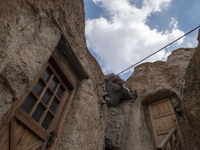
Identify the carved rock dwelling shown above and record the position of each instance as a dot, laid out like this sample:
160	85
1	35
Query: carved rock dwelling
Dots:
146	121
191	101
52	90
49	97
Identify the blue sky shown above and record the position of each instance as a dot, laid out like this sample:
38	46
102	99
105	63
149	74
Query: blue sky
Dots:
119	33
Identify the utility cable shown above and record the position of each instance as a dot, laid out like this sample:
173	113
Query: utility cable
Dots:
158	50
153	53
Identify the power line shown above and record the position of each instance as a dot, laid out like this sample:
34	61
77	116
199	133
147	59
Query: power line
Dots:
153	53
158	50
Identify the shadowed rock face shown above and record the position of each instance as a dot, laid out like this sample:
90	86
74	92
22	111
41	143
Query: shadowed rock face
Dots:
117	90
191	102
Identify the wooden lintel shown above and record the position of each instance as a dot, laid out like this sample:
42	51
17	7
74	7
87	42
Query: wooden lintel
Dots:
69	53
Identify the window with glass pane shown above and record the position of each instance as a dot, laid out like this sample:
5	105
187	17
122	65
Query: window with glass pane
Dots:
43	101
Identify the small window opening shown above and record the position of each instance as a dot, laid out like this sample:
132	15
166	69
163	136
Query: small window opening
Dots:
45	98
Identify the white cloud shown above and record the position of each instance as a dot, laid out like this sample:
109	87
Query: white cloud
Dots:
125	38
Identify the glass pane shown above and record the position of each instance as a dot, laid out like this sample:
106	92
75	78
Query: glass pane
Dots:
38	112
38	87
47	96
53	84
60	91
47	74
54	105
47	120
28	103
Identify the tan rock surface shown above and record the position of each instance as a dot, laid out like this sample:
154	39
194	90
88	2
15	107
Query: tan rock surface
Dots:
27	40
130	122
155	81
191	102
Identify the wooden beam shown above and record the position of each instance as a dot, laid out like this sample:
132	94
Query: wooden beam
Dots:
69	53
31	124
164	143
12	134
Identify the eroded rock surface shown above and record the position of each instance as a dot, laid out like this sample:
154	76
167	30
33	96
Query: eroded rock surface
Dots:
191	102
129	122
116	119
28	38
117	90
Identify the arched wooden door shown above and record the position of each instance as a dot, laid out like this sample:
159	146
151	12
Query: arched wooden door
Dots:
163	119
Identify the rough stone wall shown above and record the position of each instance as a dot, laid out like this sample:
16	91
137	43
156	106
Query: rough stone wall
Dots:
26	44
153	81
117	110
191	102
117	90
27	40
116	124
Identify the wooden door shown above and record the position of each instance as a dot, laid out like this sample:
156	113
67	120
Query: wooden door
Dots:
163	119
19	137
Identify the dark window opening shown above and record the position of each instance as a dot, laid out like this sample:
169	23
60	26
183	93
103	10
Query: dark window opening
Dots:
54	84
107	148
38	88
47	74
47	120
47	96
60	91
38	112
54	105
44	99
29	103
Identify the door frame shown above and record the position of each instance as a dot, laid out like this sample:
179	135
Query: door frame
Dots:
16	112
155	99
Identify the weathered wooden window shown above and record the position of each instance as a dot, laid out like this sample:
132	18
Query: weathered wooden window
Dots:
36	121
45	97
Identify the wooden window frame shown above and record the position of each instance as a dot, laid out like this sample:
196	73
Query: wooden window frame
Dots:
17	112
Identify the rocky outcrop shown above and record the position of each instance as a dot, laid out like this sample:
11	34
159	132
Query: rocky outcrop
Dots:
117	90
151	77
191	102
27	40
129	122
115	123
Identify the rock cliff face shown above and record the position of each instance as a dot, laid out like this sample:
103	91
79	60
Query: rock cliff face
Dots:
129	122
162	75
118	93
191	102
117	90
28	38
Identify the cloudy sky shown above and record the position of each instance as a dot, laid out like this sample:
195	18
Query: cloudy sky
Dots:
120	33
